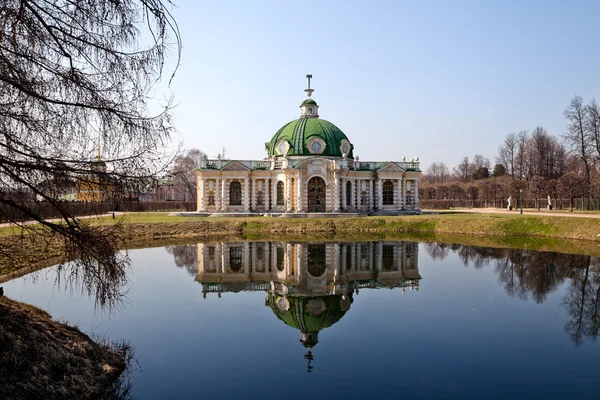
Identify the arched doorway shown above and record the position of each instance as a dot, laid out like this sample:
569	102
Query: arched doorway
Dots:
316	195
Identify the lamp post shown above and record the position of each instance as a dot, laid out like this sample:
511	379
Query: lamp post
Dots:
521	199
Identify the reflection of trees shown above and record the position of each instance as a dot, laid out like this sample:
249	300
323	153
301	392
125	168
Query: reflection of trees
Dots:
437	250
527	274
185	256
582	300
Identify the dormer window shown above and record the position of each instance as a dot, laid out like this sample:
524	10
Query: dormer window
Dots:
345	147
316	146
282	147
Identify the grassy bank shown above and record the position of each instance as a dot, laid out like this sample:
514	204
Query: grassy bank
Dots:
21	252
44	359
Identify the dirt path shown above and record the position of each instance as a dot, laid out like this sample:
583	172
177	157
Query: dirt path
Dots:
526	211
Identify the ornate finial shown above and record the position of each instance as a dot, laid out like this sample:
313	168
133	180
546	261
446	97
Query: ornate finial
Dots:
309	90
309	357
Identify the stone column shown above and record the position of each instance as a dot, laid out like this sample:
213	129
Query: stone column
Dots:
416	195
200	194
275	181
288	260
246	201
371	195
356	194
336	192
344	201
379	196
222	257
253	190
379	257
397	204
288	194
247	259
224	199
402	193
336	263
300	196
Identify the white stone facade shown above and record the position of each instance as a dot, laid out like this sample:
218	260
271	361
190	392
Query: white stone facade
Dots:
307	185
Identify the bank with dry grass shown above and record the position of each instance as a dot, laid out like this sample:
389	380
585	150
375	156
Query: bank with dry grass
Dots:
22	252
44	359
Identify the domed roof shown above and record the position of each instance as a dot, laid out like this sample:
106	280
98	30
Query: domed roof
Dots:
300	132
308	102
310	314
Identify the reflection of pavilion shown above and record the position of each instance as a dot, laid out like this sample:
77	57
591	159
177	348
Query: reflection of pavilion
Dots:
309	286
306	269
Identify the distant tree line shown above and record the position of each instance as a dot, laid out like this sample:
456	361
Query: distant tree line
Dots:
529	165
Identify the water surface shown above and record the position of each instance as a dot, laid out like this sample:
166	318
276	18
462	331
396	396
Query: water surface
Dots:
347	320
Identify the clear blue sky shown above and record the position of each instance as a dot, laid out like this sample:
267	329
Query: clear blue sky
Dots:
436	79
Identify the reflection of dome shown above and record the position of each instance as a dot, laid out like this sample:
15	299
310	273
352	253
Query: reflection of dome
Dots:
309	314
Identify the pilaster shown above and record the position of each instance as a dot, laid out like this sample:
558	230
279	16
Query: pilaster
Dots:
300	194
336	192
200	195
247	194
379	196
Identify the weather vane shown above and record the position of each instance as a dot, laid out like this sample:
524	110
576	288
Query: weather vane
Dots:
309	90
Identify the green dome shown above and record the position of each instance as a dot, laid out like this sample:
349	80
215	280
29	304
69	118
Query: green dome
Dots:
308	102
304	313
299	133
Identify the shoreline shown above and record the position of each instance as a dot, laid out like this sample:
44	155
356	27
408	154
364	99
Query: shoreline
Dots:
23	253
45	359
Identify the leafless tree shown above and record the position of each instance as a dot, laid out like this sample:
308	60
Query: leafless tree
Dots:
438	173
577	136
507	153
183	172
75	75
521	160
592	126
571	185
463	170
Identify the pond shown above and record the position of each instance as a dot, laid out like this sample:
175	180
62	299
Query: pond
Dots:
385	319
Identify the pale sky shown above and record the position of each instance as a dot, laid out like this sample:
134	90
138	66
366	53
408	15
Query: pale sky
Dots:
435	79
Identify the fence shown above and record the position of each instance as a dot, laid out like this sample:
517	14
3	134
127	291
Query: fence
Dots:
559	204
45	210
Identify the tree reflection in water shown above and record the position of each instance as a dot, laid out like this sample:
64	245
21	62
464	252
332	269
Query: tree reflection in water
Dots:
185	256
527	274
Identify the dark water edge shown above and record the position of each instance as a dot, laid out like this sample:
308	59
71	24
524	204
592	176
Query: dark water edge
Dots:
428	320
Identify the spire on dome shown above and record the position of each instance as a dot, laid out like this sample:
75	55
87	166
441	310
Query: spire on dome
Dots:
309	107
309	91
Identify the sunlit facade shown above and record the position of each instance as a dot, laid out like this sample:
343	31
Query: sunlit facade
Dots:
309	167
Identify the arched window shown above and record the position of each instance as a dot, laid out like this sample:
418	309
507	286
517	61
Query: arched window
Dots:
348	193
280	193
280	259
235	258
235	194
388	193
387	255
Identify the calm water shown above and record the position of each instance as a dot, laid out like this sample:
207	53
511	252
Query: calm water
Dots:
347	320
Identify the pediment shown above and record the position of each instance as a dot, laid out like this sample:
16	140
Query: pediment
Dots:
235	166
391	167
